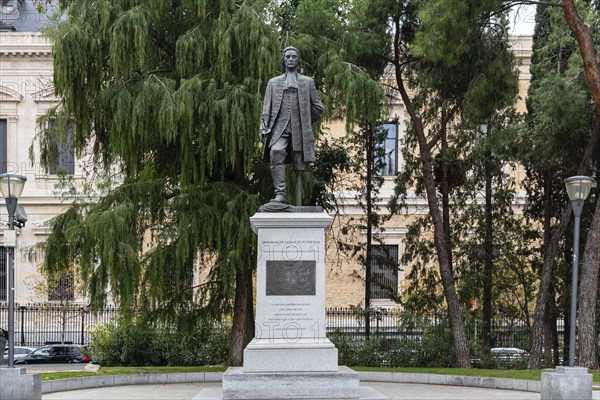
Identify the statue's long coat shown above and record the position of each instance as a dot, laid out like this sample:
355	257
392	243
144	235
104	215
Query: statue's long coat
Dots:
311	109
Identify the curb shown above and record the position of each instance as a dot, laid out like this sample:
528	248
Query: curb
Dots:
452	380
61	385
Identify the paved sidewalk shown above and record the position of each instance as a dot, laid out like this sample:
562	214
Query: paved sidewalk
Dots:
395	391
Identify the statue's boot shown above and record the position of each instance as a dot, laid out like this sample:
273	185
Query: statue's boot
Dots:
278	173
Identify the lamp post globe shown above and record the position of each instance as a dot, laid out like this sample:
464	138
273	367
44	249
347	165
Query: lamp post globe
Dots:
11	187
578	189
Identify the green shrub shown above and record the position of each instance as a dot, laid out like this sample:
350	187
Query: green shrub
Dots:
434	348
403	353
131	343
437	347
356	351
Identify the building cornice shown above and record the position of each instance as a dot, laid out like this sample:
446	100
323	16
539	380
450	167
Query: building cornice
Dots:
30	44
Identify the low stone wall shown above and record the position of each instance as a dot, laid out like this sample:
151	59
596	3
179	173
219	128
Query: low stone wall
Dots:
453	380
61	385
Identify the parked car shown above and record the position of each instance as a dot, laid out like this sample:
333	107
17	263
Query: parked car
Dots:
508	352
20	351
509	357
56	353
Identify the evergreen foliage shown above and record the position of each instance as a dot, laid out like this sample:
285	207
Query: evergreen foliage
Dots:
455	64
554	144
453	71
165	96
471	157
141	343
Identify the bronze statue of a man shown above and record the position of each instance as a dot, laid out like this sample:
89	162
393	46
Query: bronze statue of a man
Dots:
290	107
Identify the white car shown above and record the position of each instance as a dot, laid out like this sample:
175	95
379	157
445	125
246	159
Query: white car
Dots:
509	356
509	352
20	351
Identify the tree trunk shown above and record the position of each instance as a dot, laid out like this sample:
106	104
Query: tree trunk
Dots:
588	295
548	324
537	333
488	267
242	330
463	359
550	249
583	34
63	322
445	187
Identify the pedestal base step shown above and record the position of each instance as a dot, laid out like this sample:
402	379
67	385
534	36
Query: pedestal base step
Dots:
281	356
365	393
240	385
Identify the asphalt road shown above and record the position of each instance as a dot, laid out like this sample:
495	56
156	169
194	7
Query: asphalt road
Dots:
212	391
191	391
39	368
394	391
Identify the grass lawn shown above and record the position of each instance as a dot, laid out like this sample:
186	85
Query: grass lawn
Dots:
527	374
534	375
129	370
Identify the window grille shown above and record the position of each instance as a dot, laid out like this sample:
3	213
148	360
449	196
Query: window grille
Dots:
384	271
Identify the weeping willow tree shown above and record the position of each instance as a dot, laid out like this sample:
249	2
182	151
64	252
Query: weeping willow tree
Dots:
167	94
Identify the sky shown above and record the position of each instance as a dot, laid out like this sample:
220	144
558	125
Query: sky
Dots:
523	20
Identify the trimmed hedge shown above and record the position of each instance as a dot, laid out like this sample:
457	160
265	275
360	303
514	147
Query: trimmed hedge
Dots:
128	343
434	349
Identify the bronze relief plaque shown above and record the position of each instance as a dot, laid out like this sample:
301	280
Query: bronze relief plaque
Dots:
291	278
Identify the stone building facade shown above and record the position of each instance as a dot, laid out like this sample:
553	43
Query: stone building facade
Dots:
26	93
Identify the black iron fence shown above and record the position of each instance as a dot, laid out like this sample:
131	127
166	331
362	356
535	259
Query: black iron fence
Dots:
37	324
393	324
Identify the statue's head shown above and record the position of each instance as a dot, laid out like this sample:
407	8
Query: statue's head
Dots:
290	59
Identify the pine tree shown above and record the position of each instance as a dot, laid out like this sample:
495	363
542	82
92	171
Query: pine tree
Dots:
452	67
559	115
587	39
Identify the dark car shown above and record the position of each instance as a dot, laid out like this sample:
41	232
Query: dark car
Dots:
54	354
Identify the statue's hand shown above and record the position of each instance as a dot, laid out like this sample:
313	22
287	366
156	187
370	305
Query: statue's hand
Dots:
263	137
264	133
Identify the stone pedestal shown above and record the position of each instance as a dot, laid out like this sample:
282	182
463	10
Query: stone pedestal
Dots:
342	384
567	383
290	356
15	384
282	356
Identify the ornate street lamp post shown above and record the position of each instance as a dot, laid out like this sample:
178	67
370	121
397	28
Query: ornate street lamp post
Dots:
578	189
11	186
